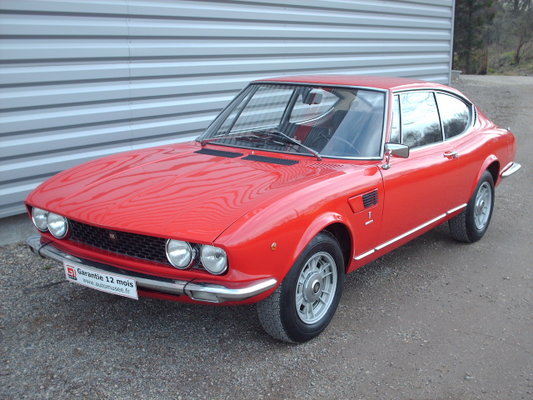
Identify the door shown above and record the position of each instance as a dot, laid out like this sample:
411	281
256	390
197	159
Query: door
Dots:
422	188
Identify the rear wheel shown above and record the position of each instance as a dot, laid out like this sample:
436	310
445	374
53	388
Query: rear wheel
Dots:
473	222
305	302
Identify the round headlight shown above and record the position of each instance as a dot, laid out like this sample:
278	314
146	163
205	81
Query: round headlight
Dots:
180	254
214	259
38	217
57	225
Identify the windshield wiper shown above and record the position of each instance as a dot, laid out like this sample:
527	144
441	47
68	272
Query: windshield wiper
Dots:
255	135
293	141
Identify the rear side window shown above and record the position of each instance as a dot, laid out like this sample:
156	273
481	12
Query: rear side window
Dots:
454	113
419	119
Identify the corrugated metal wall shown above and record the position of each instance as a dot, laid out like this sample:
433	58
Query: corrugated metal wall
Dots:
83	79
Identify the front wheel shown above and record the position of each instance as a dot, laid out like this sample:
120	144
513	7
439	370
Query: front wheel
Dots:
305	302
471	224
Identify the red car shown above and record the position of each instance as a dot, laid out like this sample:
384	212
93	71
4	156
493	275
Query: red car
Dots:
299	181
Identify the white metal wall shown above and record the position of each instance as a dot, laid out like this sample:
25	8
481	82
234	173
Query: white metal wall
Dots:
83	79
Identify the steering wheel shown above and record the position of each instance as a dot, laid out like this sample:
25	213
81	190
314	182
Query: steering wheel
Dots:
354	151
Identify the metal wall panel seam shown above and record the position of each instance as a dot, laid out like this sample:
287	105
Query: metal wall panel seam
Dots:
83	79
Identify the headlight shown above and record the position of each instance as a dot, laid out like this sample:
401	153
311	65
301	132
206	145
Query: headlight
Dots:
38	217
214	259
180	254
57	225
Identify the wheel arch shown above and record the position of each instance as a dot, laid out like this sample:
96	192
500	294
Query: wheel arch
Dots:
342	234
494	169
491	164
334	224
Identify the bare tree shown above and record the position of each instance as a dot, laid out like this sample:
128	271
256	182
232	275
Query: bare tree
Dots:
518	17
524	27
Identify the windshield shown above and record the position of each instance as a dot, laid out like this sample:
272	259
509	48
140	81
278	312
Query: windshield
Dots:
310	120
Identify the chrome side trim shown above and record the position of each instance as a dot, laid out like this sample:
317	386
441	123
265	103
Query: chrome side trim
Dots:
200	291
510	169
419	227
361	256
408	233
456	209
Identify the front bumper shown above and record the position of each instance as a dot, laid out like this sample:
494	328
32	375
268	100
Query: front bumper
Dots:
510	169
199	291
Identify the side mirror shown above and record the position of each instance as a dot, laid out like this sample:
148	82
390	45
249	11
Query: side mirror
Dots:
396	150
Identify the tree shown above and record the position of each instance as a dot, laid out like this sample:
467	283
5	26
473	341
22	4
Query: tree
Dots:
521	13
472	21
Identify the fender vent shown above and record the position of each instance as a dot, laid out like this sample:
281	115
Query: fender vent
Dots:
370	199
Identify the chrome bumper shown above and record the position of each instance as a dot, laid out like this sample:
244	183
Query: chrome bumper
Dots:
510	169
199	291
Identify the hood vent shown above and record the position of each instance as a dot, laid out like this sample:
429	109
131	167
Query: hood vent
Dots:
271	160
219	153
326	165
370	199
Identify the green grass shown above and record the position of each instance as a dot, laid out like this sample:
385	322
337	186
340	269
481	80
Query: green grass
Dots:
502	64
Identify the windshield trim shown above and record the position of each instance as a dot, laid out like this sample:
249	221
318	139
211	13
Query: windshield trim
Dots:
246	90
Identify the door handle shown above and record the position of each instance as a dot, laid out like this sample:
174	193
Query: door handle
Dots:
451	154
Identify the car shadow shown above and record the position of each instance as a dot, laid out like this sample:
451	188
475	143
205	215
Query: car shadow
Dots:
86	312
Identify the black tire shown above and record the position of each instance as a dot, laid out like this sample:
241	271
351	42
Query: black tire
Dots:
297	312
473	222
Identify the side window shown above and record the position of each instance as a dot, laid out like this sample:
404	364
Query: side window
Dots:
420	119
454	113
395	129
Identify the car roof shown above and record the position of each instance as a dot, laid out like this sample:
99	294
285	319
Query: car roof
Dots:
378	82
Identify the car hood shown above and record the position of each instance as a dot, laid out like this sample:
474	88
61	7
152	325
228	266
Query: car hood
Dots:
173	192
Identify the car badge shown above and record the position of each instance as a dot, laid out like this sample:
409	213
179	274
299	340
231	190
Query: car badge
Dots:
113	236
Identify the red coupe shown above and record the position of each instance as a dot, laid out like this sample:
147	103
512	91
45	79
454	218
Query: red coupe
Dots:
297	182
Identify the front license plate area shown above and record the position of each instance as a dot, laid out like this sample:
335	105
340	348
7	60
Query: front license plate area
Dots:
103	281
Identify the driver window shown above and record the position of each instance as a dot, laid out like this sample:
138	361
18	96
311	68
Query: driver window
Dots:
395	129
420	123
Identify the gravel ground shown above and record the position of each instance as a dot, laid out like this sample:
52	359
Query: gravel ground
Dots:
432	320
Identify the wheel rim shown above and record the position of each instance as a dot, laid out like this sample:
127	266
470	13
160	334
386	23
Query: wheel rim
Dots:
482	206
316	287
